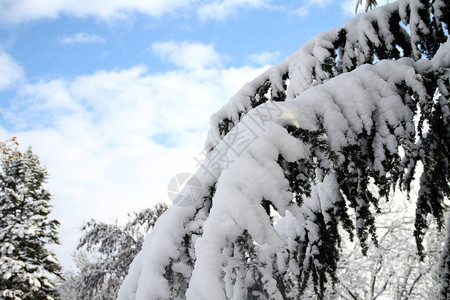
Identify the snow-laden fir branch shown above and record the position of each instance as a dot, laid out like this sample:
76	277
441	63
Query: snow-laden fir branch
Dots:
389	32
354	107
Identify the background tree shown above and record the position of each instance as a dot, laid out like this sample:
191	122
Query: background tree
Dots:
104	254
365	104
393	270
27	267
67	287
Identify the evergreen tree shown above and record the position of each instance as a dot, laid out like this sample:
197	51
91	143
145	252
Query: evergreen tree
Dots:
105	253
296	150
27	267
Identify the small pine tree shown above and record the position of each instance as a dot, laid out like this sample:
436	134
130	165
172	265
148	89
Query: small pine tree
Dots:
26	265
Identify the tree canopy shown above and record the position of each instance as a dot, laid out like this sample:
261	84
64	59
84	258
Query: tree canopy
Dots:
104	253
308	148
27	266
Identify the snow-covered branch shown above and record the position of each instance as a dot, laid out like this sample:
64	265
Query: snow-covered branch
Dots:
297	149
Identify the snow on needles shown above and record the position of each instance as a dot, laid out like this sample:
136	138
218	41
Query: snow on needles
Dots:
346	47
196	250
344	111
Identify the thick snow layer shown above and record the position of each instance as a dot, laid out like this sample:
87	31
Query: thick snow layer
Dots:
242	171
305	68
249	173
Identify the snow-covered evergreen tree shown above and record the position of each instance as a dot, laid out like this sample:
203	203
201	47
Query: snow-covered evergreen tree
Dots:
295	151
27	266
105	253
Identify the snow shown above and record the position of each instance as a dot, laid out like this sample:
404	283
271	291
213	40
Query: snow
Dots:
441	60
252	149
304	67
147	273
242	161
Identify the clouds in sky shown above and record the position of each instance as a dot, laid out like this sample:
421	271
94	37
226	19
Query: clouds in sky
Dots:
113	139
301	11
10	71
319	2
81	38
220	10
20	11
307	5
188	55
266	58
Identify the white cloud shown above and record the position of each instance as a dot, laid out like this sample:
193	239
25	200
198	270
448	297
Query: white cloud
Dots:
302	11
81	38
188	55
320	3
100	136
220	10
10	71
266	58
19	11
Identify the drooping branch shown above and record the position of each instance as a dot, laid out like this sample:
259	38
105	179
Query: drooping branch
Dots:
405	28
302	143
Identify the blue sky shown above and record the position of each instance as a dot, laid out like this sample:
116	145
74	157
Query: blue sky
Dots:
115	96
